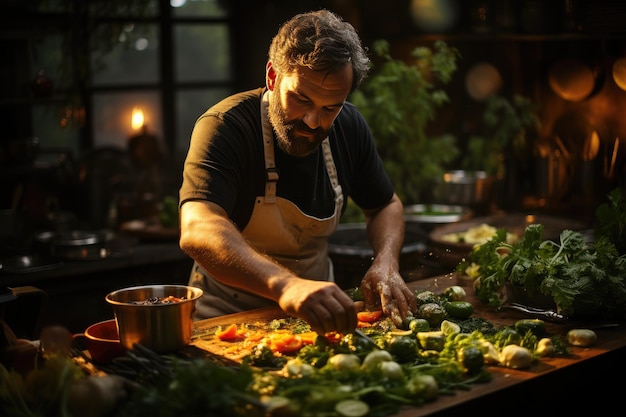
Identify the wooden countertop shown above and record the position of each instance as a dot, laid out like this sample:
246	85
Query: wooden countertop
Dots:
552	379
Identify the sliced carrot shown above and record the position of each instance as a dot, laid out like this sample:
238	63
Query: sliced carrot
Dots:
362	324
333	337
369	316
285	342
232	332
254	337
308	338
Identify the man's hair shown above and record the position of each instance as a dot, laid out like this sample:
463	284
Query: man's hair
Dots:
320	41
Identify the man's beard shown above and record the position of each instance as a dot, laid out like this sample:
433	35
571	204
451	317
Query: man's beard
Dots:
287	131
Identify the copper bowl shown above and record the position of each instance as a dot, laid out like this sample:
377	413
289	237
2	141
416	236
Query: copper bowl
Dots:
102	341
162	327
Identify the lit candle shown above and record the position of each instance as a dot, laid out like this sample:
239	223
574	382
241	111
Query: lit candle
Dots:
137	120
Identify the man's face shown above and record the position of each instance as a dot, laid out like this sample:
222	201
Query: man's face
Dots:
303	106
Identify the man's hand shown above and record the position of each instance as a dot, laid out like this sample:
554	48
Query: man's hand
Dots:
386	289
323	305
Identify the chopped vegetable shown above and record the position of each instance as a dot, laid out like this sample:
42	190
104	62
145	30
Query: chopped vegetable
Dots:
345	362
403	348
352	408
516	357
424	386
285	342
545	347
449	327
375	357
425	297
472	359
581	337
231	332
460	310
434	340
391	370
536	326
369	316
454	293
419	325
434	313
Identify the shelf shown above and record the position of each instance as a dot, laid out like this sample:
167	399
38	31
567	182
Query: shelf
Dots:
516	37
32	101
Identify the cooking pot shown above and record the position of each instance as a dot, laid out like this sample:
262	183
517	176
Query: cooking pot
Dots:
162	327
74	244
351	254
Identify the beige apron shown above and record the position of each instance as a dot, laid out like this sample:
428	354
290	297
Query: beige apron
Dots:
279	229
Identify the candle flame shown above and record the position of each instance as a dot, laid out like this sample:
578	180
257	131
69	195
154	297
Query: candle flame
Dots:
137	119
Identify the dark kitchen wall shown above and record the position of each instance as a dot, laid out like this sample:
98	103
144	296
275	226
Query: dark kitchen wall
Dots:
524	40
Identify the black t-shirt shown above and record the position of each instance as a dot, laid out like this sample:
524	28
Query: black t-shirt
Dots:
225	163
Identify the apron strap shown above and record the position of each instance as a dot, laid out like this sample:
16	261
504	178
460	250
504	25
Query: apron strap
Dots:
271	171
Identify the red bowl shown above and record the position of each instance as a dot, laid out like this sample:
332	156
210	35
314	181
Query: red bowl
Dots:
103	341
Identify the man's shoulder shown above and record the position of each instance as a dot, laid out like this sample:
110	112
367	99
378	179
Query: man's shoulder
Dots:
242	101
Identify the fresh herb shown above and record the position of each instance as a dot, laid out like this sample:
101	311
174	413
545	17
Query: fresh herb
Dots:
585	279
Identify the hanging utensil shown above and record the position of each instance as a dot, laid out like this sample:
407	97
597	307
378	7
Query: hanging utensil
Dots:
591	146
609	167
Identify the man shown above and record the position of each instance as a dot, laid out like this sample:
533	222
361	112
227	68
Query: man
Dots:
268	174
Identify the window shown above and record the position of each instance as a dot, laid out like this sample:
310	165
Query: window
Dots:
169	59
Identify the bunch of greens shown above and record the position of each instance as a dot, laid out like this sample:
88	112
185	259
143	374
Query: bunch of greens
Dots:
170	386
585	279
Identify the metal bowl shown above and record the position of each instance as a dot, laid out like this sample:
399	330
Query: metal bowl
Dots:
436	213
163	327
466	188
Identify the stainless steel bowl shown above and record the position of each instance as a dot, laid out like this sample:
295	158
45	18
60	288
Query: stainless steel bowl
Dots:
465	188
436	213
163	327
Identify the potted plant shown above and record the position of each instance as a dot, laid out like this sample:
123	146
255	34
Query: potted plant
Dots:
398	100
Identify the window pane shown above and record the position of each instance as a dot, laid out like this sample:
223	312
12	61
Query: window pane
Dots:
189	106
134	8
50	56
57	127
101	8
199	8
113	114
134	58
202	52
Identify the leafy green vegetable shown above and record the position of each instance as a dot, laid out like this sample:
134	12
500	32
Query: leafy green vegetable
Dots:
42	392
194	388
585	279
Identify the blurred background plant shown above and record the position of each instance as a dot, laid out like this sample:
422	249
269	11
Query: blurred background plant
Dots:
398	101
505	130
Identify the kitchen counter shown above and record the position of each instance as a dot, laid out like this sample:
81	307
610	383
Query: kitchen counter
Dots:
131	255
76	289
582	380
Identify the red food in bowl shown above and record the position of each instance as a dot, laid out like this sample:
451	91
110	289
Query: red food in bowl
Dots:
102	341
